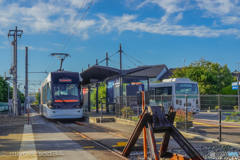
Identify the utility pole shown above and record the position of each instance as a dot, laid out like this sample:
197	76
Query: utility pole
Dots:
107	59
15	34
26	78
238	66
120	51
96	61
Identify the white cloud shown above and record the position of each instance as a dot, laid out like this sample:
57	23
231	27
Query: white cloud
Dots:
230	20
129	23
80	48
179	17
40	17
218	7
22	47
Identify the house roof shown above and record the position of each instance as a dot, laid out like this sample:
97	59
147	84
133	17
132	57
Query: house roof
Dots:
152	71
168	73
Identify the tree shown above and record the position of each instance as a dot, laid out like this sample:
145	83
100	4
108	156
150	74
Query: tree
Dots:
211	77
3	90
101	94
37	98
228	91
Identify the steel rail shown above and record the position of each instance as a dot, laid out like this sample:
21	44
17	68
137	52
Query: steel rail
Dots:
99	144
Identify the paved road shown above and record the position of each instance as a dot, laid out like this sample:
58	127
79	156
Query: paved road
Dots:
211	116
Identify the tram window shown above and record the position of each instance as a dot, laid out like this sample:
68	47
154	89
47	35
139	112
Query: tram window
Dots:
163	91
49	97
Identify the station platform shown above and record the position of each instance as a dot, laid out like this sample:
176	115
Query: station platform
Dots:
38	141
44	139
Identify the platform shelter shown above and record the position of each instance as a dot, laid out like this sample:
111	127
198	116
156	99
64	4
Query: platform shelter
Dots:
118	83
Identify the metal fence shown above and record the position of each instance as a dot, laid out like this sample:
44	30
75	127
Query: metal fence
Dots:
215	116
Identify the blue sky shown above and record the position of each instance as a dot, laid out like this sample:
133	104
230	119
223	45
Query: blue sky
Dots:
152	31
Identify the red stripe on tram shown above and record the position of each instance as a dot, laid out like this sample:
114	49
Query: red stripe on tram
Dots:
66	100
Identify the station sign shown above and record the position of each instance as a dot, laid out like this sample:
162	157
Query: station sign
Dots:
235	83
94	80
234	87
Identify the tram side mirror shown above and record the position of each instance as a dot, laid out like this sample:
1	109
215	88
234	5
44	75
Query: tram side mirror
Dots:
49	103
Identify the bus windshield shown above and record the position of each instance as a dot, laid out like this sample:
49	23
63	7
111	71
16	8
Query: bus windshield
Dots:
66	92
186	88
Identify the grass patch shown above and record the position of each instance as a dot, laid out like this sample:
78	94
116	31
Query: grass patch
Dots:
135	118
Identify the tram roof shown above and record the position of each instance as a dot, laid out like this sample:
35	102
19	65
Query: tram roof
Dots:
102	72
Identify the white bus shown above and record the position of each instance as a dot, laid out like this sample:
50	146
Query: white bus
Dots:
173	91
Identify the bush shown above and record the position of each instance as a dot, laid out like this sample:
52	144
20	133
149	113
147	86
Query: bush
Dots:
123	111
216	107
228	118
181	114
235	107
233	115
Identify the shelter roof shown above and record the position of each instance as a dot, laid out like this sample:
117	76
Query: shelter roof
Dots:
102	72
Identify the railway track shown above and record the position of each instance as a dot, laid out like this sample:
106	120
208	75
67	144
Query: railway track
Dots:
35	108
117	153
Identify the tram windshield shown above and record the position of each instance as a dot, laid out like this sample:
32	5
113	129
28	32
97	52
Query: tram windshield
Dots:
186	88
66	92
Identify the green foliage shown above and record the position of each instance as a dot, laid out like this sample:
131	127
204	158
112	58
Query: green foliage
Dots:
123	111
181	116
232	118
235	107
211	77
37	99
233	115
216	107
101	94
3	90
35	103
228	118
228	91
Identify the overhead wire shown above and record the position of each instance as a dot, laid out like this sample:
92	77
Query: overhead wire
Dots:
35	67
114	64
129	58
67	32
119	63
78	24
134	59
74	30
71	25
122	64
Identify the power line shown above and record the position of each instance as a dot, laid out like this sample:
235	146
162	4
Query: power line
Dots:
119	63
134	59
113	64
71	25
78	24
67	33
35	67
128	58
